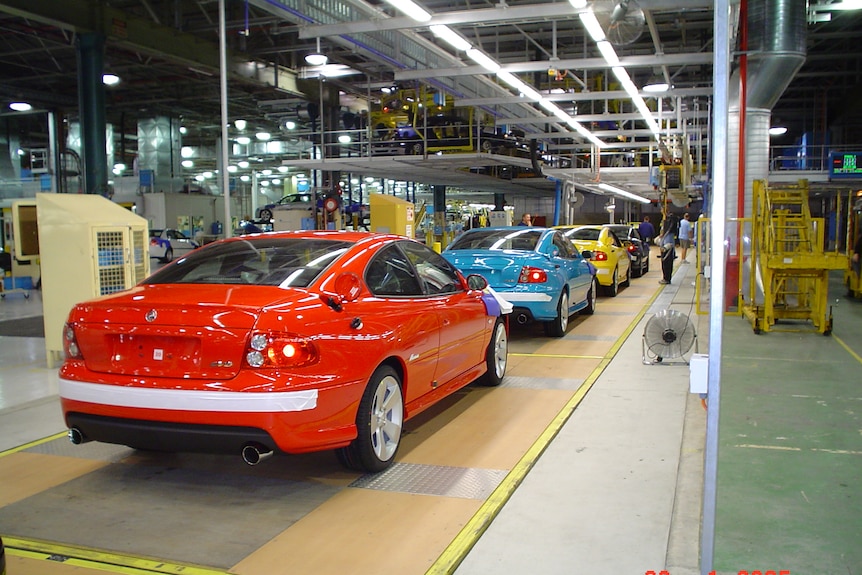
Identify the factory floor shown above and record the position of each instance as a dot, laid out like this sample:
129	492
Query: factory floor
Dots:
587	459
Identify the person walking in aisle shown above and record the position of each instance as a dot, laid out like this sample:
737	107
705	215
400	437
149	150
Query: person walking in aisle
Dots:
646	230
667	243
686	234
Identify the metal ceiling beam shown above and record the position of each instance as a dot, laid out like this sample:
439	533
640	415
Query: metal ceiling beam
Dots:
517	14
145	36
698	59
583	96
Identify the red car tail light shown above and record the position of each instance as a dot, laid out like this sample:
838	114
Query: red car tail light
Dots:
280	350
70	343
531	275
632	248
600	256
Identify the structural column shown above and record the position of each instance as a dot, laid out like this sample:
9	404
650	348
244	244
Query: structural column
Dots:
91	103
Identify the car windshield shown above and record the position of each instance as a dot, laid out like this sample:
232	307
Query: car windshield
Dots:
498	239
284	262
584	234
155	233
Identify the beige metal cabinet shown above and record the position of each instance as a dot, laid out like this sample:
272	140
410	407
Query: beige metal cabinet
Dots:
90	247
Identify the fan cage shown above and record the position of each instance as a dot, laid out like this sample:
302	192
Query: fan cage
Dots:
668	334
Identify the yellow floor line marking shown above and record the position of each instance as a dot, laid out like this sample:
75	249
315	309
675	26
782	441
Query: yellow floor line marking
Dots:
33	444
455	553
98	560
845	346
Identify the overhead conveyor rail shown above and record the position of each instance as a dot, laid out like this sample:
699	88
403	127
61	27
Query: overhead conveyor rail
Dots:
790	266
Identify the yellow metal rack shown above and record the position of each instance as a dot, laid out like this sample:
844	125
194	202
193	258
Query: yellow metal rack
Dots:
789	260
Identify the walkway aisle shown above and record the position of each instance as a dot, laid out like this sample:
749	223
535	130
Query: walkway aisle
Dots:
618	490
790	449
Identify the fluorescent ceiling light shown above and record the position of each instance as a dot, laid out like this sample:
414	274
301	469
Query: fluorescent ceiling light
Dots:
263	136
588	19
411	9
110	79
656	87
578	4
623	193
20	106
530	93
777	131
483	60
326	71
451	37
608	53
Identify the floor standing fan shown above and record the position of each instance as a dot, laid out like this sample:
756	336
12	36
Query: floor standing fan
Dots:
668	334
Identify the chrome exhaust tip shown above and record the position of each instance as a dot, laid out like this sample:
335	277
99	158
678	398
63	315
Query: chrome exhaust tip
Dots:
76	436
254	453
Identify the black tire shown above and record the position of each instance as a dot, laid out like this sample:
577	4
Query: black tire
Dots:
591	298
169	256
557	326
646	267
497	355
487	146
379	422
614	288
416	148
266	215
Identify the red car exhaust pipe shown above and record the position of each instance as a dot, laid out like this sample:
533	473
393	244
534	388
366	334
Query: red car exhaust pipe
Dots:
254	453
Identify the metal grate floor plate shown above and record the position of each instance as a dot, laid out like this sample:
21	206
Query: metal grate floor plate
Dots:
461	482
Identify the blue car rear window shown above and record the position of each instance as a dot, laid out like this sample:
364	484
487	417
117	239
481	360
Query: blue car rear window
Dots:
510	239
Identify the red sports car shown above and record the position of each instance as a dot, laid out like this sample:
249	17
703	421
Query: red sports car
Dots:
281	342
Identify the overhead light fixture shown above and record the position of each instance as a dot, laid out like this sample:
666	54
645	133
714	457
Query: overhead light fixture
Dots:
188	164
623	193
777	131
578	4
263	136
411	9
344	139
289	125
20	106
483	59
240	124
588	19
608	53
317	58
243	140
451	37
110	79
656	87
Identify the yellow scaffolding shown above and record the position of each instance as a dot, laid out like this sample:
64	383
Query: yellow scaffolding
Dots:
788	260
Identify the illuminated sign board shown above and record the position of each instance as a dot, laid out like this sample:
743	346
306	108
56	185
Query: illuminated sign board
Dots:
845	165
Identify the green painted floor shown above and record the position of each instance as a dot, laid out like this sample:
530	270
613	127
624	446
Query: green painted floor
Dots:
790	447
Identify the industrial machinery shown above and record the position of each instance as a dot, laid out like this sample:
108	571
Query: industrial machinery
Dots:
853	271
788	260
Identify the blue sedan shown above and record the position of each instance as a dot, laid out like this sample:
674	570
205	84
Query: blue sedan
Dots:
537	270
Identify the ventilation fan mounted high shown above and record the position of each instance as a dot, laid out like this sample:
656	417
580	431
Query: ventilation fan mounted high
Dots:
668	334
622	20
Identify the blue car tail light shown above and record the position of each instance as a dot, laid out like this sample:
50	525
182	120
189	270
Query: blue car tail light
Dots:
531	275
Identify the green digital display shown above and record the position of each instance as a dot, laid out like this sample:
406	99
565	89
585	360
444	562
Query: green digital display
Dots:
845	165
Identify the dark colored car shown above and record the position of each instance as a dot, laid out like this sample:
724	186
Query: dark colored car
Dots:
448	134
636	246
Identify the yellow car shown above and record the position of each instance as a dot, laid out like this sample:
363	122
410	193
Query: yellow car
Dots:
609	255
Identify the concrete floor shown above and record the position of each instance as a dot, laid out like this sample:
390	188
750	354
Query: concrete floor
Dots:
612	485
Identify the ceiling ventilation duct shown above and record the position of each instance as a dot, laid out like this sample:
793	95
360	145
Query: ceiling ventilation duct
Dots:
776	51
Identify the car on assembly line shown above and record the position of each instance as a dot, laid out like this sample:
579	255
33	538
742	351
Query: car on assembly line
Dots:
167	244
281	342
609	255
537	270
636	246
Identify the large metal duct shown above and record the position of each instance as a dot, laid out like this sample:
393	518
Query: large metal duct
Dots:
776	50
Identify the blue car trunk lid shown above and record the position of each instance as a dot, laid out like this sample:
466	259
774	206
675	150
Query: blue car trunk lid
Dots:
500	268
